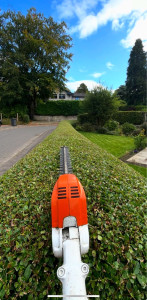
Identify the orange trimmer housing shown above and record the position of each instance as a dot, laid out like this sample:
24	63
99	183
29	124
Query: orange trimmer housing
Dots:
68	199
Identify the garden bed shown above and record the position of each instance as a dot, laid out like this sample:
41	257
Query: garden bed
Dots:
116	201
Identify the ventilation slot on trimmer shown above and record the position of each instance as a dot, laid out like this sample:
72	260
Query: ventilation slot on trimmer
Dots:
74	192
62	193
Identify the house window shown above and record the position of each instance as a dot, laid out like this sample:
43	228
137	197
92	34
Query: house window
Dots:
61	96
54	96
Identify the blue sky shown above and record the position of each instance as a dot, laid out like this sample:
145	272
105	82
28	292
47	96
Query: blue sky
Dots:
103	33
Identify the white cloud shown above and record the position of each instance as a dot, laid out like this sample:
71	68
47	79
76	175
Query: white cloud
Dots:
116	24
78	8
139	31
119	12
109	65
75	84
97	75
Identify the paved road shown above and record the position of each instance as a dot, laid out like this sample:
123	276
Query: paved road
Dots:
15	142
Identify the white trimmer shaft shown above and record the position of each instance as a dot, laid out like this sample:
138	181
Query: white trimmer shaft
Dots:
73	272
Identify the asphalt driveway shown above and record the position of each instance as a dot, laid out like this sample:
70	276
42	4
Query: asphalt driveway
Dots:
17	141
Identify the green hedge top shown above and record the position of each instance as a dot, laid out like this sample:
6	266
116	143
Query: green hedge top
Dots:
116	200
134	117
57	108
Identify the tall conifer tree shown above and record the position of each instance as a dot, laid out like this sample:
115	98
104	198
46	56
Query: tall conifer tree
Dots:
136	75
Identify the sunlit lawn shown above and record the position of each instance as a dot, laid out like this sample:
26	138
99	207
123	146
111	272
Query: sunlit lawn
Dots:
116	145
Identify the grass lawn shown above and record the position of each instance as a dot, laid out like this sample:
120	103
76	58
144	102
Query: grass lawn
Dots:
141	170
116	145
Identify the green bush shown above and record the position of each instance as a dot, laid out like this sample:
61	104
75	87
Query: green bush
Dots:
88	127
128	128
116	204
141	108
136	131
140	141
9	112
133	108
133	117
144	126
57	108
102	130
112	125
83	118
100	104
26	119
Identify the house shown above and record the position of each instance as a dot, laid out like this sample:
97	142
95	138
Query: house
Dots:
67	95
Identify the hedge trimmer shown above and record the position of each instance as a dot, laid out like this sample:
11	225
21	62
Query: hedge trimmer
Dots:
70	235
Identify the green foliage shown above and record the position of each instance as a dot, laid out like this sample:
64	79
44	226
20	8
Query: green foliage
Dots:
144	126
11	112
140	140
34	57
100	104
121	92
88	127
82	88
84	118
57	108
102	130
133	108
115	198
136	75
26	119
133	117
112	125
128	128
141	108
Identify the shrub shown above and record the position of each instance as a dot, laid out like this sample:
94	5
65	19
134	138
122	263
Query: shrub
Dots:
12	113
144	126
26	119
136	131
100	104
83	118
128	128
101	130
141	107
88	127
112	125
57	108
140	141
133	117
116	204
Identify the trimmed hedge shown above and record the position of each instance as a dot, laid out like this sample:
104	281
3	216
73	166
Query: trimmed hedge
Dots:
133	107
133	117
57	108
116	201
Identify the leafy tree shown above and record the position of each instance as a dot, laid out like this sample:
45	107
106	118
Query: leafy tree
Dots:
82	88
121	92
100	104
34	57
136	75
